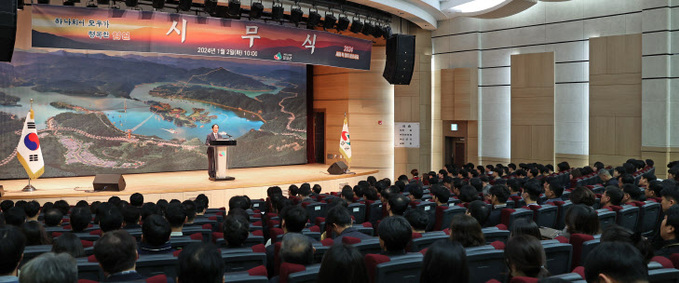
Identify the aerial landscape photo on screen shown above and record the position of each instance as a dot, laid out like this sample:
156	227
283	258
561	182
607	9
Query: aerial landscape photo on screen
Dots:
116	112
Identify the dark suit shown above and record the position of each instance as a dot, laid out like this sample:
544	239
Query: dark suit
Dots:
210	153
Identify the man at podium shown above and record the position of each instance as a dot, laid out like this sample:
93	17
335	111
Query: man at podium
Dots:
210	150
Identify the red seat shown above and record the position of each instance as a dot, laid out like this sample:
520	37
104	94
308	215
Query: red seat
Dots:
523	279
287	269
665	262
371	262
577	240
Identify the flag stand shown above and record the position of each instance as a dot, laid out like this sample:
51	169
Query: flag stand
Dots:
29	187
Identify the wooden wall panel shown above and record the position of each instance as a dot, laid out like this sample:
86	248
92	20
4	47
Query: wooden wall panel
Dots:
615	98
459	94
532	108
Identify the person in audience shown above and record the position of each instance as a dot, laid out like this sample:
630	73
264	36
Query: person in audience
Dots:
190	210
305	193
155	237
418	219
497	195
175	214
581	219
526	257
553	192
532	173
15	216
347	194
397	204
63	206
646	179
53	218
670	197
110	218
583	195
203	199
32	210
531	193
514	187
607	179
445	262
12	251
50	267
35	234
468	194
293	220
653	189
481	212
525	227
5	205
342	263
615	262
467	231
631	193
611	197
615	233
316	189
296	248
116	252
395	233
339	223
440	195
79	219
669	229
416	193
68	243
131	217
137	200
200	263
236	230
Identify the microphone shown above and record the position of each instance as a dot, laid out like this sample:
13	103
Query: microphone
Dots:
226	134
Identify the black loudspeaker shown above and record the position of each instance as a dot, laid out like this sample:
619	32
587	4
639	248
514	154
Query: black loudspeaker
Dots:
338	168
8	28
400	59
108	182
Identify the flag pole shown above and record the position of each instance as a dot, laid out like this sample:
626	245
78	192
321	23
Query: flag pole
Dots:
29	187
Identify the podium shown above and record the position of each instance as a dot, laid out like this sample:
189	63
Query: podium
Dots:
220	158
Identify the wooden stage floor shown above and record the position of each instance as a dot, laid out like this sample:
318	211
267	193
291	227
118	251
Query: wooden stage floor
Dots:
187	184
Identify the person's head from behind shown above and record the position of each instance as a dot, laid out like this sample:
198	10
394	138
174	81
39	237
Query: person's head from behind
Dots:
583	195
338	219
347	193
305	190
238	202
631	193
418	219
479	210
466	230
32	208
15	216
553	190
236	230
582	219
468	194
416	192
525	227
137	199
440	194
175	214
12	244
343	263
155	230
189	209
615	233
669	227
526	257
116	251
200	263
294	218
35	233
445	261
531	192
131	215
395	233
110	218
612	196
80	218
398	204
615	262
68	243
50	267
53	217
670	196
498	194
296	248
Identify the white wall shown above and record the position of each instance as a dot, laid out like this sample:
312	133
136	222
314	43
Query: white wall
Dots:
560	27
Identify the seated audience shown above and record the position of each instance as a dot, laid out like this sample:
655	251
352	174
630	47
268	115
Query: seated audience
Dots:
497	195
339	223
200	263
35	234
669	231
481	212
467	231
416	193
440	195
63	206
418	219
131	217
646	179
468	194
397	205
137	200
525	227
653	189
50	267
670	196
12	251
53	218
176	216
32	209
116	252
531	193
616	233
110	218
15	216
583	195
612	196
236	231
80	218
631	193
305	193
68	243
581	219
155	237
526	257
395	234
347	194
615	262
445	262
296	248
607	179
553	192
342	263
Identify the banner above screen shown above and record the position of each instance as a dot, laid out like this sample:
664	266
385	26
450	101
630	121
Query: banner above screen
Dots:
130	30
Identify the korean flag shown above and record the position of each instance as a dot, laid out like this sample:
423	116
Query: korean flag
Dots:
28	150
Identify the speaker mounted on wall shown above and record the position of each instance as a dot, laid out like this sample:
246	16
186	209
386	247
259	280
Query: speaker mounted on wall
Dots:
8	29
400	59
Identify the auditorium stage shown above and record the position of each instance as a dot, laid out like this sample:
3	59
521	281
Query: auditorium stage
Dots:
187	184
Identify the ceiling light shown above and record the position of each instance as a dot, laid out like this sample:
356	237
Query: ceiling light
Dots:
296	15
343	23
256	10
185	5
476	6
313	20
234	8
277	11
356	26
368	28
131	3
329	21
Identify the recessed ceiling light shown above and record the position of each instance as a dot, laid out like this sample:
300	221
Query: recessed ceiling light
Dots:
476	6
